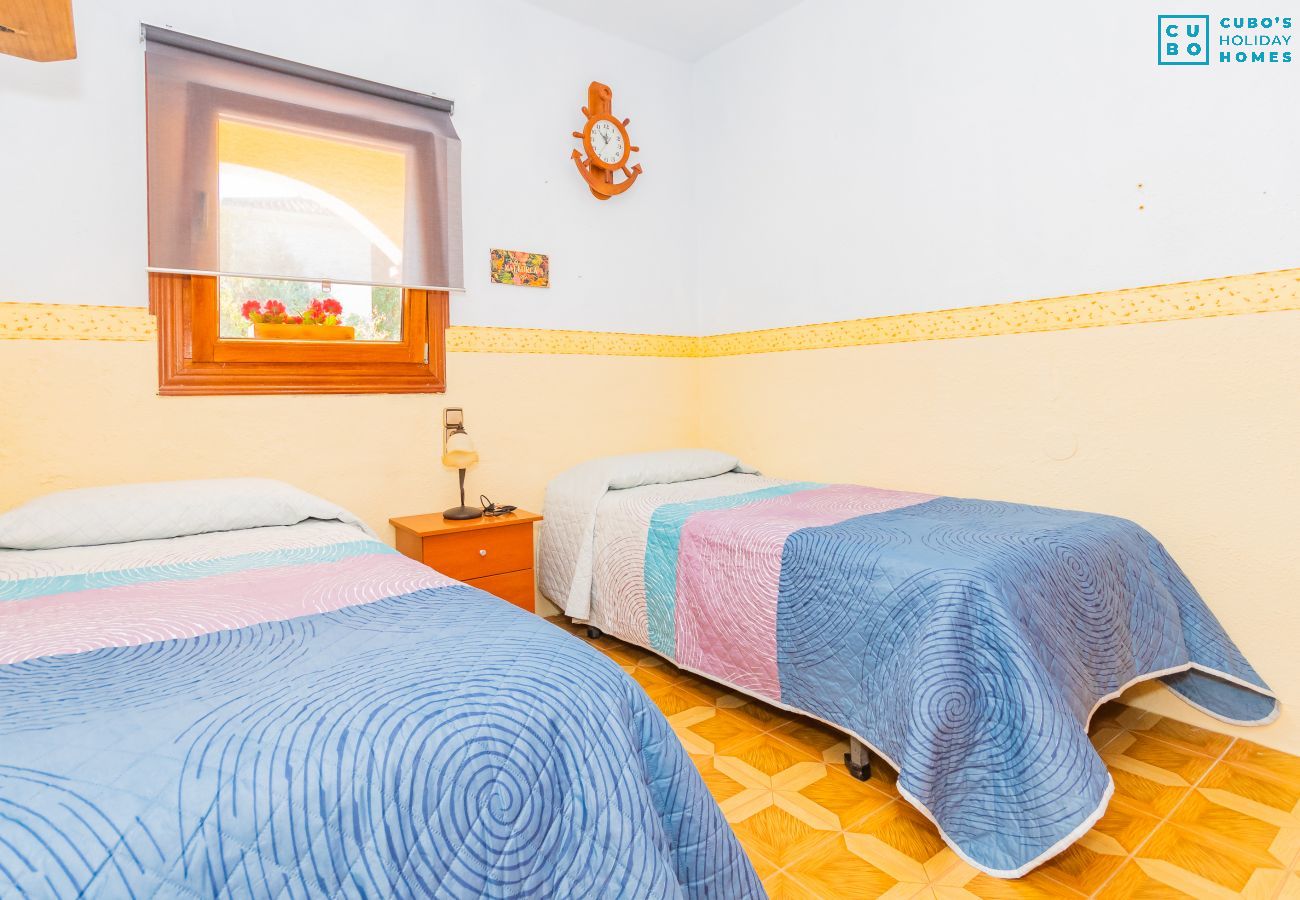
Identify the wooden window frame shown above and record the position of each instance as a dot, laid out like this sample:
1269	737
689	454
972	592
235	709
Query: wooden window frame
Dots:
193	359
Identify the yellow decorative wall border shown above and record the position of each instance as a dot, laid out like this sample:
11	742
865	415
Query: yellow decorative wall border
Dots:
491	339
73	322
1229	296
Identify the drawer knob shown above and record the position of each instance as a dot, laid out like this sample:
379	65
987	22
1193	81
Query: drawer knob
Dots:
482	553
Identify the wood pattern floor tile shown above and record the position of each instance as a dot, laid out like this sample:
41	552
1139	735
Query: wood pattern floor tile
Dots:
809	735
766	717
813	737
847	864
772	758
721	785
1091	861
712	693
1151	754
776	834
1118	715
672	699
783	887
1133	883
648	676
1188	737
1254	785
763	867
1151	776
1271	764
723	730
1256	817
898	838
966	882
851	800
1195	813
1201	867
759	714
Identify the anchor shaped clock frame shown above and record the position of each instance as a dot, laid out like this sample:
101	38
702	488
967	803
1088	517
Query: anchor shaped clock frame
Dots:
602	144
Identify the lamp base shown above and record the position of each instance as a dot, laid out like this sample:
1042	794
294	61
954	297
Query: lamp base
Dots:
457	513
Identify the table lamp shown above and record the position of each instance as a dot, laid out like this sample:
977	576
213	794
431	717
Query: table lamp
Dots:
458	453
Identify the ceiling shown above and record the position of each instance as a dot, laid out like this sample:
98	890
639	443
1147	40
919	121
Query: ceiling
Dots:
686	29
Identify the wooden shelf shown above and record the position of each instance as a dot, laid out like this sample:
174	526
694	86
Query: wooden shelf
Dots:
40	30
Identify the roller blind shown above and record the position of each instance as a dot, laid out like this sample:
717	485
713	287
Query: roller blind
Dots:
263	167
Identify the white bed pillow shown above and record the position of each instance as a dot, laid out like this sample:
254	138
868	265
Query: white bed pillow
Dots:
163	509
570	510
661	467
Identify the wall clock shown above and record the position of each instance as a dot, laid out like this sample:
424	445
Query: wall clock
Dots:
605	145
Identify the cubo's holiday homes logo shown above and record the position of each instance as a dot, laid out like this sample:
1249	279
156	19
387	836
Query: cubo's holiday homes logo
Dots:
1186	40
1183	40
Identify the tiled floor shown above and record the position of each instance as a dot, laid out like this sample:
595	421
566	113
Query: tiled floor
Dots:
1195	814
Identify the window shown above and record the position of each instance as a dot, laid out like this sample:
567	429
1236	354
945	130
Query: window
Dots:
293	201
373	312
304	227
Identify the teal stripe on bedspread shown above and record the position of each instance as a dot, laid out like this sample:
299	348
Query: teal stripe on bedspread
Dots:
662	543
186	570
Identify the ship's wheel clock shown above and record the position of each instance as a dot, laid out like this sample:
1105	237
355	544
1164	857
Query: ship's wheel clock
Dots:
605	146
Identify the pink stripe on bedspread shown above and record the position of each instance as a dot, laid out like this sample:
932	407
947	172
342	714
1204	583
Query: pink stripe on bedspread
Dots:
728	575
135	614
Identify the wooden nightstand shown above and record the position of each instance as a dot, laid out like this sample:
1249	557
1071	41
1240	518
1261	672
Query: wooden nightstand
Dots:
494	553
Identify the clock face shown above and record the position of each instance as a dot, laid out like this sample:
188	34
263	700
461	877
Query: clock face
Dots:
607	142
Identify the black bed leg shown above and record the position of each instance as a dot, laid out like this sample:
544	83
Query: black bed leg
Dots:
593	632
858	760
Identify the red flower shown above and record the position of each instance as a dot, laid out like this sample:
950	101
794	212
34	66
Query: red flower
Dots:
294	320
332	306
274	308
315	311
250	307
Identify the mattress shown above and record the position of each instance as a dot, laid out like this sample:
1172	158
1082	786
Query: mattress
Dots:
299	711
967	642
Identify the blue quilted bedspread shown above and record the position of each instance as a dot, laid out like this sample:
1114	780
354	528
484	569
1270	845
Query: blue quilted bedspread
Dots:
436	743
973	639
967	641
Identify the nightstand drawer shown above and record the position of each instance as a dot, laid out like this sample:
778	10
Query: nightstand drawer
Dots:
466	555
517	587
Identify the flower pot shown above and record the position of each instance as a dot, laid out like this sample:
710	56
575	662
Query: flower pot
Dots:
282	332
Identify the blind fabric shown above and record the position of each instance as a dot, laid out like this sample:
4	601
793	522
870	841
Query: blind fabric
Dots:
255	171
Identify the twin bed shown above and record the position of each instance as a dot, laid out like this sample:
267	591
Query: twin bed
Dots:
966	642
231	688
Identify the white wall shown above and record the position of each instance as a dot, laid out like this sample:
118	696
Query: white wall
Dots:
72	155
848	159
926	155
876	158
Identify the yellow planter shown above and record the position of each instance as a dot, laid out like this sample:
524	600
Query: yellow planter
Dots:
281	332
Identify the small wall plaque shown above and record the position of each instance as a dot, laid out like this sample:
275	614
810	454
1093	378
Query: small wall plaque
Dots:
518	267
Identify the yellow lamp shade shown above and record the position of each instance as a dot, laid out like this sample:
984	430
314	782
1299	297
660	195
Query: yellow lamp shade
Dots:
459	452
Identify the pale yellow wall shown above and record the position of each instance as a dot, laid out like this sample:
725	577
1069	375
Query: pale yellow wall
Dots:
1191	428
79	413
